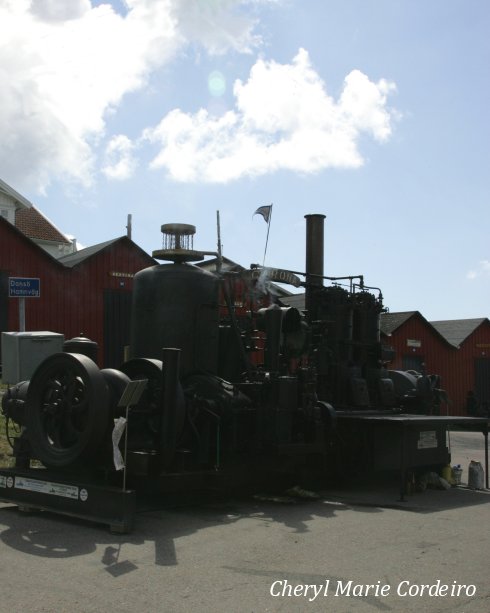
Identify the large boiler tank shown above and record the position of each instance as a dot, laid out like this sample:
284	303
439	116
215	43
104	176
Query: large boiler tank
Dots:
176	305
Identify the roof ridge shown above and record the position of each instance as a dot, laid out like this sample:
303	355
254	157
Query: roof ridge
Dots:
438	321
77	257
456	331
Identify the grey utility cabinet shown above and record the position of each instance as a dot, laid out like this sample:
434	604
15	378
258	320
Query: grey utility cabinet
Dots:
22	352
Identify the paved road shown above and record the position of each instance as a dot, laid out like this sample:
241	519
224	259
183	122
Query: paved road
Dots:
226	556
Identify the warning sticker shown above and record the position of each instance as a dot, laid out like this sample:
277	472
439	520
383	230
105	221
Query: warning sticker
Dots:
427	440
3	481
47	487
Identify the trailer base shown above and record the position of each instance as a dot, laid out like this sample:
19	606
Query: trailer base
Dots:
37	489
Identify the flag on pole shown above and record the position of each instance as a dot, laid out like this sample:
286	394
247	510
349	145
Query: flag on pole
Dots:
265	211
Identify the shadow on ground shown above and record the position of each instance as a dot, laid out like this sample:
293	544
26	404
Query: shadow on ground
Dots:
162	520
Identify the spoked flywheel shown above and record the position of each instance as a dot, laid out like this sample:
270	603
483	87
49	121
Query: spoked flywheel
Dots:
67	410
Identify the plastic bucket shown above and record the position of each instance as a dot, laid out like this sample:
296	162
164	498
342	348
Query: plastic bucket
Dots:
457	474
475	475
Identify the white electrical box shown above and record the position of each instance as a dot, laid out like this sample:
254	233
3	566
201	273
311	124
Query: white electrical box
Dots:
22	352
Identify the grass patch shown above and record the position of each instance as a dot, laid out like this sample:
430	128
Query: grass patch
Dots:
5	449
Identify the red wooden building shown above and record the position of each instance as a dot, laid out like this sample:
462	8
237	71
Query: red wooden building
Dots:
88	291
457	350
471	369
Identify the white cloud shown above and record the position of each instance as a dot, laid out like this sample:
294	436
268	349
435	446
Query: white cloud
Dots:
283	119
65	65
59	10
215	25
120	161
483	269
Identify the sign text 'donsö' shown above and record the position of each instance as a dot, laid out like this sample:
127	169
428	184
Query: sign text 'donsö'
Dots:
24	287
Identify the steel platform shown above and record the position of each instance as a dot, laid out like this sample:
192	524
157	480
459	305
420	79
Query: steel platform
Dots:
409	441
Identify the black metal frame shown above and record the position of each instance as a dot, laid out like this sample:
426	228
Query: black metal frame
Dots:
40	489
406	425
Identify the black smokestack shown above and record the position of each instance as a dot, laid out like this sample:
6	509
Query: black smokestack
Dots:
314	255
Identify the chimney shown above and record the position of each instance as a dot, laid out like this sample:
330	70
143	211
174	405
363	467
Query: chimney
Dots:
314	255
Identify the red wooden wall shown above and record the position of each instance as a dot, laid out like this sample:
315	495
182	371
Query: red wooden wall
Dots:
20	257
110	269
456	366
72	299
475	346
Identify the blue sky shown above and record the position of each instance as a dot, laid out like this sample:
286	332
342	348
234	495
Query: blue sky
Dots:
372	112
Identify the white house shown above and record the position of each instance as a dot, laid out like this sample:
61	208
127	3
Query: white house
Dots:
25	217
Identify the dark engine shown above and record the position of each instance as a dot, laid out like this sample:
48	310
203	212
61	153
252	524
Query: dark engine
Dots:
234	379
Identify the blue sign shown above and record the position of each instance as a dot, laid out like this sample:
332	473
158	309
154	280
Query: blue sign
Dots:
21	287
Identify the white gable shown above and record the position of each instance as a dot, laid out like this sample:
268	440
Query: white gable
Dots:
10	201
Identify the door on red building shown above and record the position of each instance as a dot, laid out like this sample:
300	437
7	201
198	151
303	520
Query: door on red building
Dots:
413	362
482	382
117	317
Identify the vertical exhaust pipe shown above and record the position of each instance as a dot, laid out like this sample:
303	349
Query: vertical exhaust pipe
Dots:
314	257
170	404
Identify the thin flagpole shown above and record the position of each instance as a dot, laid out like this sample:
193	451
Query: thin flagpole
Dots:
220	254
267	239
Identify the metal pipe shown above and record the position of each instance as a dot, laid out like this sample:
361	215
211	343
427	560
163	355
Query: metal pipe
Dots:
485	434
314	246
314	257
219	262
273	322
170	384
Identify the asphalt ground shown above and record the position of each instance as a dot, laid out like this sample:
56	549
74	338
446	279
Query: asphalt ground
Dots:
260	552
